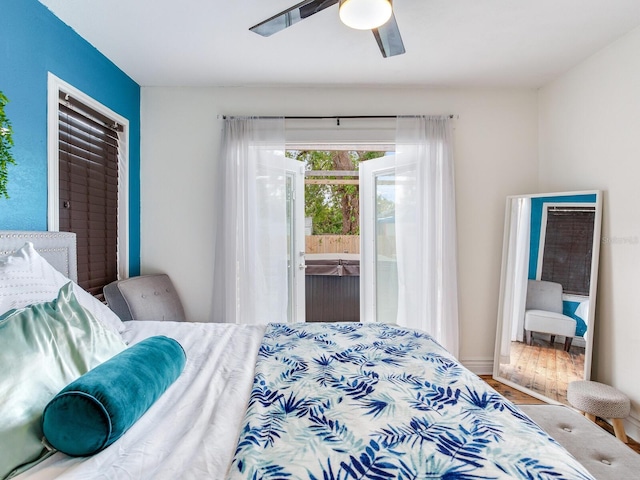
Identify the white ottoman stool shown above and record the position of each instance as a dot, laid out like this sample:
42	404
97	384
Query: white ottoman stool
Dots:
599	400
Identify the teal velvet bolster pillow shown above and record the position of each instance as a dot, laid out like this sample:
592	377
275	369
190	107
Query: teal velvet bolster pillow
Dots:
95	410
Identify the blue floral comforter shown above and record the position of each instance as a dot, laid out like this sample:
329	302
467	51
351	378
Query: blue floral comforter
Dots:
373	401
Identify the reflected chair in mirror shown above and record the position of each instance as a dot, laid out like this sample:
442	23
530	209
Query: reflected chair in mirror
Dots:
543	313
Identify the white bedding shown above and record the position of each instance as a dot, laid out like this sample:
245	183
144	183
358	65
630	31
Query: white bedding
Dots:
192	430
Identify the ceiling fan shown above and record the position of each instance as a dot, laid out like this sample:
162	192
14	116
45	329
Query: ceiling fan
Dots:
374	15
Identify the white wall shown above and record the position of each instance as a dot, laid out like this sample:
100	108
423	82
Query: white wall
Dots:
590	138
495	156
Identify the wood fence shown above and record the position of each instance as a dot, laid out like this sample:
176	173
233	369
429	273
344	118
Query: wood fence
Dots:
332	243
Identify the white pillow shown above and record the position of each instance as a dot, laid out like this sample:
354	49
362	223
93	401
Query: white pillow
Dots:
27	278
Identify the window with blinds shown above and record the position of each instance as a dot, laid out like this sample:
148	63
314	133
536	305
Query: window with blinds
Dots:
88	189
568	248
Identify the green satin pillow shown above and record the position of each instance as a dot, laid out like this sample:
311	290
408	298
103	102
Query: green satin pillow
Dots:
95	410
43	348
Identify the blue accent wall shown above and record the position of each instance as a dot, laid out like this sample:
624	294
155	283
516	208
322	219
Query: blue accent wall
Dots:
34	42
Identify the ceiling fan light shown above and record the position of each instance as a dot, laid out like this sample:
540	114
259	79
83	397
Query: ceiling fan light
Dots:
365	14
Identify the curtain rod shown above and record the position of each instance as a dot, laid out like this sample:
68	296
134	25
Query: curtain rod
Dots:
337	118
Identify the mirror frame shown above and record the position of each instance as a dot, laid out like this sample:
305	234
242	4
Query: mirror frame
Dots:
590	321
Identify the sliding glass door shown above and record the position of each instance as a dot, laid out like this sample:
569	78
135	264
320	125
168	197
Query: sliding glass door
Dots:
390	249
378	247
294	171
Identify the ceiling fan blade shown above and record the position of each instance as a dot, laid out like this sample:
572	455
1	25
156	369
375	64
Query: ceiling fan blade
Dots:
389	39
291	16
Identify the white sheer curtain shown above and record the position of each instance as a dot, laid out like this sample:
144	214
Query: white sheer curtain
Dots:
426	228
515	275
250	272
522	269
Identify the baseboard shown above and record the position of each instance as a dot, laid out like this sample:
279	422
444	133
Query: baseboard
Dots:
479	366
632	428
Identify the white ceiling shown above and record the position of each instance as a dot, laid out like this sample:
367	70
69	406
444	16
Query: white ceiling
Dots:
488	43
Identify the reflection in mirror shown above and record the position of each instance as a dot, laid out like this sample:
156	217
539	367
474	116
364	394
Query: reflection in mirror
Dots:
547	292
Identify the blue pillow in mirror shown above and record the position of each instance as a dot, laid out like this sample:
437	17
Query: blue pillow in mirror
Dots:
95	410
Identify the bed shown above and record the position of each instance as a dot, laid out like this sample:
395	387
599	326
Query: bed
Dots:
328	401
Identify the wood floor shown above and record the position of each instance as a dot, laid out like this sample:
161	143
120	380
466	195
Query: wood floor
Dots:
544	368
520	398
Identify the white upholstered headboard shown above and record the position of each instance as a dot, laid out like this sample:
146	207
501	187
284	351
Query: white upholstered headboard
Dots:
58	248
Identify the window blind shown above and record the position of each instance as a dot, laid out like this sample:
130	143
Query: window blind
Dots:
88	189
568	248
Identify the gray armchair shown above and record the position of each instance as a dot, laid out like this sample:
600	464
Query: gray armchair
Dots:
543	313
147	297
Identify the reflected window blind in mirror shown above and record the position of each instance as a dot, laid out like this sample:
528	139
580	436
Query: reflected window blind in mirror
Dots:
88	189
568	248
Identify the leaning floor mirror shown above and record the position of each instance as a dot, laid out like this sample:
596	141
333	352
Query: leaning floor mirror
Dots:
547	297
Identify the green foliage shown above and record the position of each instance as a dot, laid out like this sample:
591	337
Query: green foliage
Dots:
321	206
335	209
6	142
